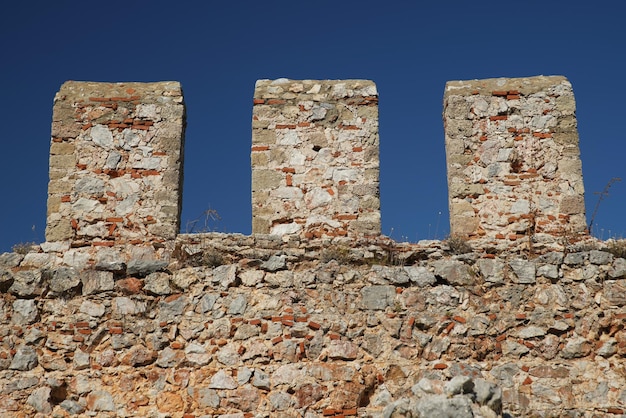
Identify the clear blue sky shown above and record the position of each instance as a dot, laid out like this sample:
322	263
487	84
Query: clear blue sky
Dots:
217	49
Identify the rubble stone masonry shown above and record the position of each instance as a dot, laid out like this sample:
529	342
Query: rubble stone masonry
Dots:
315	158
514	170
117	315
115	163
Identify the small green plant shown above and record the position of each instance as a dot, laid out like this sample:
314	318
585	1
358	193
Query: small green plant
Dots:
23	247
458	244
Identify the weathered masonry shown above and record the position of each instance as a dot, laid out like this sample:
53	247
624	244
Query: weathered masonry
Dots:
315	158
514	169
116	163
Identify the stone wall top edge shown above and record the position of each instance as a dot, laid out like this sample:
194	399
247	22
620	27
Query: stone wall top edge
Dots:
524	85
73	90
362	87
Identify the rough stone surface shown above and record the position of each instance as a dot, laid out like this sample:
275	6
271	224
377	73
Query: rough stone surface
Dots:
315	158
227	325
514	170
115	163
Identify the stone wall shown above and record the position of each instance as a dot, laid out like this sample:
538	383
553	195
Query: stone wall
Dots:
325	317
315	158
115	163
252	326
514	170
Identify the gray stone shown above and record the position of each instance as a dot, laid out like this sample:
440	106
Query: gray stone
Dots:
554	258
440	406
168	358
246	331
143	268
492	270
26	283
530	332
225	275
9	260
197	355
90	186
454	272
20	384
96	281
40	400
25	358
618	270
243	375
548	271
576	347
420	276
343	350
158	284
574	259
523	271
261	380
64	279
228	355
221	380
92	308
488	394
81	360
386	274
608	348
206	398
207	302
172	311
24	311
275	263
100	400
101	135
444	295
280	401
109	259
615	292
377	297
238	305
72	407
459	385
512	348
600	257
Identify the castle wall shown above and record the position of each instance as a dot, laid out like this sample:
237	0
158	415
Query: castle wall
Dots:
115	163
315	158
243	326
514	169
336	320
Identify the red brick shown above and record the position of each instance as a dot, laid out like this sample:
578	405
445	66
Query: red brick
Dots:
440	366
499	117
276	102
499	93
357	149
512	96
103	243
459	319
527	381
276	340
282	126
289	170
314	325
260	148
